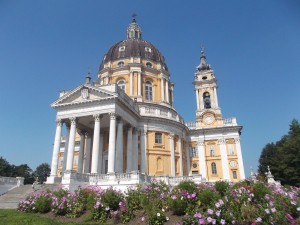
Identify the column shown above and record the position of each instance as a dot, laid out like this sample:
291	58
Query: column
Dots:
180	156
197	98
216	97
188	160
135	152
171	137
139	83
100	159
129	150
172	97
87	153
96	144
167	91
240	158
131	83
224	159
201	157
112	144
56	147
71	144
162	89
144	151
66	147
119	147
81	149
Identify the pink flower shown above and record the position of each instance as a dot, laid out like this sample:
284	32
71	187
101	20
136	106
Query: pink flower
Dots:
223	221
143	218
258	220
209	219
267	211
173	197
210	211
273	210
198	215
201	221
289	216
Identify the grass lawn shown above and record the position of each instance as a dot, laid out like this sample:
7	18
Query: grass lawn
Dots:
14	217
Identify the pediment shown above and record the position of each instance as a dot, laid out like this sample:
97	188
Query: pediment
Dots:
83	94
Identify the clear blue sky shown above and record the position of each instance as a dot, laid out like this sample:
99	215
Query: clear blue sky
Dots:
47	46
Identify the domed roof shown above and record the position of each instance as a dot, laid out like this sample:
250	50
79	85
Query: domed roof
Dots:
134	46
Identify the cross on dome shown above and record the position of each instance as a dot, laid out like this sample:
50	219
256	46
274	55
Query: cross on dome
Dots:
134	31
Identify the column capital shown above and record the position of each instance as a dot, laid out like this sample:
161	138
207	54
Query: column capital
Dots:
59	122
97	117
119	119
112	115
200	142
171	136
237	140
73	120
221	141
87	134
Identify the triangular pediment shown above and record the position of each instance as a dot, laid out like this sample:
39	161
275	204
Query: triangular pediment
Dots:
83	94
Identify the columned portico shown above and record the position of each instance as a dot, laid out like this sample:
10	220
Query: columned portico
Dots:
96	145
112	144
71	144
172	150
56	148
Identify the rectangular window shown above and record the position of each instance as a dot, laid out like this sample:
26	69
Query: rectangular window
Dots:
212	150
193	152
234	175
158	138
230	149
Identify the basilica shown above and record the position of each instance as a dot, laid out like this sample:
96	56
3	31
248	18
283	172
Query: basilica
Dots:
122	128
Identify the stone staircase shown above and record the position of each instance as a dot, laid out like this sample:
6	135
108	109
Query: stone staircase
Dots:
11	199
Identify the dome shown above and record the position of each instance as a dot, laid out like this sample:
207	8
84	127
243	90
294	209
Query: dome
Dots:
134	46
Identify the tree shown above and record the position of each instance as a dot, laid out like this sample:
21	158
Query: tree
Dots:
42	172
5	167
283	157
25	171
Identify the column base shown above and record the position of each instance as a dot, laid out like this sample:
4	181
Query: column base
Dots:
53	180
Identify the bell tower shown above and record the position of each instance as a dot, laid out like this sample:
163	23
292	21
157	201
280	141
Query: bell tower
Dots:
208	113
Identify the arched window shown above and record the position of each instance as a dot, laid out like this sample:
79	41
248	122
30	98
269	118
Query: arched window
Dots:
148	91
213	168
212	150
121	64
121	84
149	65
206	100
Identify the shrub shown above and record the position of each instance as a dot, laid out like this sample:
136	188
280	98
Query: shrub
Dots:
221	187
111	199
207	198
187	185
43	204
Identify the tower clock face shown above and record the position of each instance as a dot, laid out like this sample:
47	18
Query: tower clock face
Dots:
209	119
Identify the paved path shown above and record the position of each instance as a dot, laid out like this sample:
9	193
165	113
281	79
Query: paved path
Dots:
11	199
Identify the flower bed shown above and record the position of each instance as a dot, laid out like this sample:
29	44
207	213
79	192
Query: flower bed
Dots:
219	203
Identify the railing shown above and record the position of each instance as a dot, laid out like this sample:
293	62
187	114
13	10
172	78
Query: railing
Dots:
157	111
226	122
